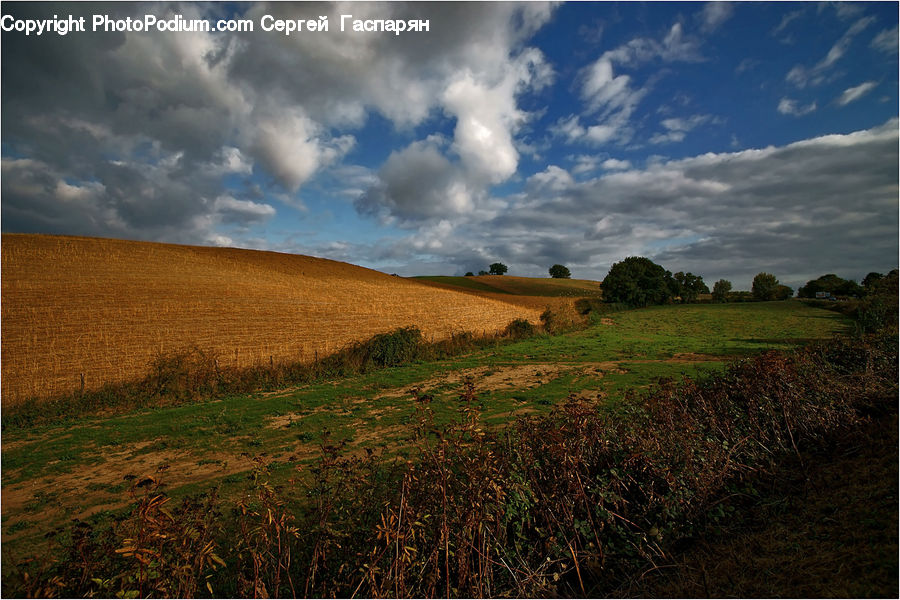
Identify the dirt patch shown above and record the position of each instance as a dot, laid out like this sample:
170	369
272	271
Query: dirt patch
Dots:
520	377
691	357
95	486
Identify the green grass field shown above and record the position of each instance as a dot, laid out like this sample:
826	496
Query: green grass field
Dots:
54	473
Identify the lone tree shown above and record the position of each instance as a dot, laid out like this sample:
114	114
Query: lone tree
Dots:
765	286
498	269
720	290
637	281
560	272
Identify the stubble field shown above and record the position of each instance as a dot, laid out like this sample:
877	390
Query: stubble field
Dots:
103	309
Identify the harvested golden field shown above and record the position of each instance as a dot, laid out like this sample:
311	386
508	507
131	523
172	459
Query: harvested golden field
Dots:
105	308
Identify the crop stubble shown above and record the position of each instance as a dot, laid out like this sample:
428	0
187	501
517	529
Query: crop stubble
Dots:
105	308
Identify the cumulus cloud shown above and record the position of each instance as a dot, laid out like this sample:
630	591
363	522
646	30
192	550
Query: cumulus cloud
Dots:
418	183
798	210
210	105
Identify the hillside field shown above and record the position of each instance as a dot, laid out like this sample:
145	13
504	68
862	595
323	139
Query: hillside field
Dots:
103	309
530	292
52	473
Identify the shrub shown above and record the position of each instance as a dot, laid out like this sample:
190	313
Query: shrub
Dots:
563	504
394	348
519	329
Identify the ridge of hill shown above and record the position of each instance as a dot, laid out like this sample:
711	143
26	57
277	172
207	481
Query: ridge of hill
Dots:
530	292
103	309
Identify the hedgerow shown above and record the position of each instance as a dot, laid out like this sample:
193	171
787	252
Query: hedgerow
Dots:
563	504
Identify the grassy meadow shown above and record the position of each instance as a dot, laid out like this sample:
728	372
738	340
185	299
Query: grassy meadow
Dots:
55	472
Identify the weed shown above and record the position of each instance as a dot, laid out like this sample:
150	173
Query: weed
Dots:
571	502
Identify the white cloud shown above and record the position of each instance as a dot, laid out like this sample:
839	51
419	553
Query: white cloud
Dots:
292	148
802	76
677	128
855	93
487	117
787	20
714	14
613	164
788	106
886	41
723	215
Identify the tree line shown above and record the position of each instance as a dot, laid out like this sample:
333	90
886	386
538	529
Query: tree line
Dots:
638	281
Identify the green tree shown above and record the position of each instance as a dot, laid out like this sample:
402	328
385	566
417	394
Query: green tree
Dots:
832	284
637	281
688	286
560	272
782	292
870	280
498	269
764	286
720	290
470	274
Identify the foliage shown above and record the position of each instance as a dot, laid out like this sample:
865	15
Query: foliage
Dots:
519	329
783	292
879	309
497	269
720	290
688	286
765	286
560	272
834	285
557	505
637	281
469	274
394	348
869	281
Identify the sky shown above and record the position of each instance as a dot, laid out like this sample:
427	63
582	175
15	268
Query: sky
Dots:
724	139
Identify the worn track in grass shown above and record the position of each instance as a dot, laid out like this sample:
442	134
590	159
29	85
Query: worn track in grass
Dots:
51	474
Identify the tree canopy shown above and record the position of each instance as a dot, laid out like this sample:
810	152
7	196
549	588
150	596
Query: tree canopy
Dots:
764	286
560	272
688	286
720	290
832	284
498	268
637	281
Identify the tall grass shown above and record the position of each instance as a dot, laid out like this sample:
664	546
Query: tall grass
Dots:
566	504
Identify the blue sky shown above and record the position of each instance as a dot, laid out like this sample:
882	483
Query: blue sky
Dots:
723	139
